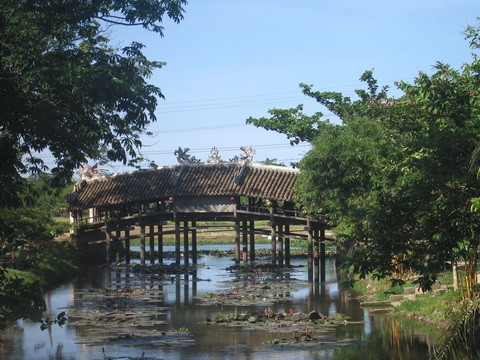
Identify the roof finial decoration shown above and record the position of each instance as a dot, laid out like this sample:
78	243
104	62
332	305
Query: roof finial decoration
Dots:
184	158
214	157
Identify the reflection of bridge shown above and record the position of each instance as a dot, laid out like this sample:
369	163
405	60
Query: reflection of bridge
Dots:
150	204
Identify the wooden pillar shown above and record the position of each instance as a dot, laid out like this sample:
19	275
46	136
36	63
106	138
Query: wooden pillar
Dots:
185	243
322	254
142	244
273	235
160	244
127	245
186	289
107	244
287	244
252	241
244	241
118	257
280	245
316	253
152	243
177	241
237	242
194	242
309	252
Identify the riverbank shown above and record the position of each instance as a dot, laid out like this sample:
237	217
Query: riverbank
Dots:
29	272
431	308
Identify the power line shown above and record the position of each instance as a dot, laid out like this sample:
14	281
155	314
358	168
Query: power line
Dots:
46	156
284	92
201	128
256	99
227	148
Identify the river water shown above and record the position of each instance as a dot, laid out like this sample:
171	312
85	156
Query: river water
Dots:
177	304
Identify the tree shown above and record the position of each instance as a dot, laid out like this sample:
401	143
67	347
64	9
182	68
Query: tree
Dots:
395	176
64	88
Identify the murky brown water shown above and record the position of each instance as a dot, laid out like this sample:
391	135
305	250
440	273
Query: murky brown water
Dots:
166	305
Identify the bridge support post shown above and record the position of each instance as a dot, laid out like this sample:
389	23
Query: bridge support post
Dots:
287	244
280	245
316	252
151	237
107	244
273	235
177	241
237	242
127	246
194	242
309	252
322	254
244	241
186	256
252	240
118	246
160	244
142	244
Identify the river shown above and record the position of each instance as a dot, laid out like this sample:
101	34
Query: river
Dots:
175	324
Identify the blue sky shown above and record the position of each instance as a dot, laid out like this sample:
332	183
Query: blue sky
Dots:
229	60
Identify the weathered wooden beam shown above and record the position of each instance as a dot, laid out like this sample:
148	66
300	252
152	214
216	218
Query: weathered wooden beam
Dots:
237	242
142	244
252	240
107	245
280	245
177	242
160	244
151	236
186	256
244	241
316	253
127	246
310	254
322	254
287	244
194	242
117	247
273	234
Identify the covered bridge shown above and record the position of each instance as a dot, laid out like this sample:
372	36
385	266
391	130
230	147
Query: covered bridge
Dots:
172	199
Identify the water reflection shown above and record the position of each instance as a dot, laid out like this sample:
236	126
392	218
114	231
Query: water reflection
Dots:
175	301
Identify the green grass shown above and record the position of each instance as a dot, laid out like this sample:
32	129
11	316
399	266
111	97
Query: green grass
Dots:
432	309
369	289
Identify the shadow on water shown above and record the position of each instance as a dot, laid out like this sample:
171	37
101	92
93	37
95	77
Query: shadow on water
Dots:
120	312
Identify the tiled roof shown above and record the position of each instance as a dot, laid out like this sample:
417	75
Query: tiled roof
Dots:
260	181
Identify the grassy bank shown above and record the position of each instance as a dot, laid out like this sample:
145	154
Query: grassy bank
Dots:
29	272
434	309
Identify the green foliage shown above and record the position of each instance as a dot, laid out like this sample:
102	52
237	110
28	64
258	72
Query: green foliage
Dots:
463	333
395	177
53	56
273	161
35	220
29	258
29	272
